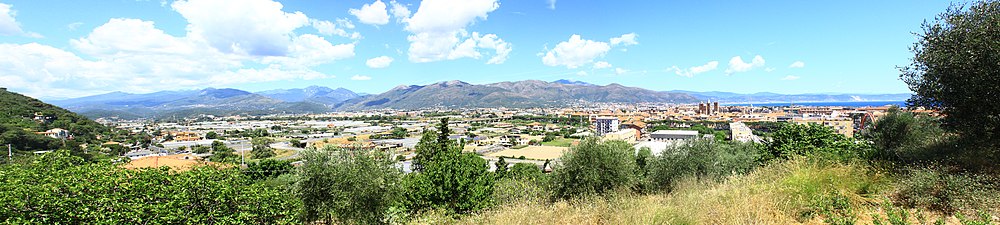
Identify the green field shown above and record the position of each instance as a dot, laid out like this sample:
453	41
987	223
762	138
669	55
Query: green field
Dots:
559	142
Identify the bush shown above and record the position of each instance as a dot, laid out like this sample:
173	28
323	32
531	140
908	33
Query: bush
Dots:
937	189
594	168
446	178
524	183
904	137
267	168
353	186
57	188
813	140
703	159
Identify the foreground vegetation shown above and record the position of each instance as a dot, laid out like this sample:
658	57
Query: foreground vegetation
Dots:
907	168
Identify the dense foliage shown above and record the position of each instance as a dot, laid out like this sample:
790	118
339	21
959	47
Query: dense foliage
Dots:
812	140
594	167
448	178
703	159
353	186
18	125
58	188
955	69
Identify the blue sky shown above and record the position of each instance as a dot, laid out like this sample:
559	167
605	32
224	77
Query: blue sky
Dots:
61	49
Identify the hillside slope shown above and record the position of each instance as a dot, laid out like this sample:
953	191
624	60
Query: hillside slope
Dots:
18	124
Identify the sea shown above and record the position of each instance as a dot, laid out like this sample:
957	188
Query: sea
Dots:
844	104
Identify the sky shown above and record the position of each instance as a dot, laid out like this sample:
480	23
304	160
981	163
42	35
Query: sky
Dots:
67	49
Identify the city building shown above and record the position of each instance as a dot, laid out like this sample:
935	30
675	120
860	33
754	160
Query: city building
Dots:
741	133
673	135
604	125
627	135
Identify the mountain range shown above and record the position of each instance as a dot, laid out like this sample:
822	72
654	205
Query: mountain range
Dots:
448	94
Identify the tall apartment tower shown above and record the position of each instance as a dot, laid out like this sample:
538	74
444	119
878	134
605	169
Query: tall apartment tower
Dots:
715	107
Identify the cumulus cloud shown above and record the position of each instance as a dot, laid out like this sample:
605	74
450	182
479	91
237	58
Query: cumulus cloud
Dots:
737	65
625	39
379	62
695	70
620	71
602	65
797	64
438	32
133	55
399	11
790	77
361	77
9	26
340	28
372	14
575	52
255	27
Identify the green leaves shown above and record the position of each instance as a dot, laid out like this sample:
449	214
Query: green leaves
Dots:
353	186
74	193
595	168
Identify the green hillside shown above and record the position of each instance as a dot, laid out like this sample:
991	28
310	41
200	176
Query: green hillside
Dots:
18	125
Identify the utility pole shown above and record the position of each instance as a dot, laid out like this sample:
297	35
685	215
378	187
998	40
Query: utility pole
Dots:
243	154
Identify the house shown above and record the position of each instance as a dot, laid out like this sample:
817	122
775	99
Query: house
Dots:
672	135
56	133
512	140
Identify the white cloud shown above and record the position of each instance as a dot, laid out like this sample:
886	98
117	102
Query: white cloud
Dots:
399	11
769	69
575	52
9	26
626	39
329	28
254	27
602	65
438	30
361	77
695	70
736	64
133	55
379	62
581	73
797	64
372	14
620	71
74	26
790	77
552	4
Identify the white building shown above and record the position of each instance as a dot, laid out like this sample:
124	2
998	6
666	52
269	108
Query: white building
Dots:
605	125
672	135
742	133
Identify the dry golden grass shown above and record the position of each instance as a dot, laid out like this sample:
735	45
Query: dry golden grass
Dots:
180	162
777	194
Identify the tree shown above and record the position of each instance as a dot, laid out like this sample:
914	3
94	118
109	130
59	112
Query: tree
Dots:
221	152
261	148
903	136
267	168
399	132
811	140
212	135
955	69
198	149
446	177
353	186
595	168
501	165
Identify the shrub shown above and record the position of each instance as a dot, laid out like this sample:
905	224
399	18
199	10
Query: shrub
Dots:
812	140
594	168
702	159
446	178
267	168
58	188
353	186
937	189
904	137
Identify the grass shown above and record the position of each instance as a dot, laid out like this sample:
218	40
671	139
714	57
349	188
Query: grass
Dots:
792	192
559	142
